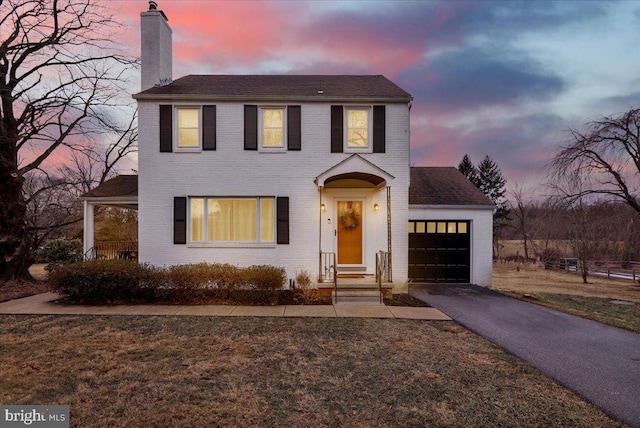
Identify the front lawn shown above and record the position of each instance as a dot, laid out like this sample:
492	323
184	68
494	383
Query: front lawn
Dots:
208	371
595	308
565	292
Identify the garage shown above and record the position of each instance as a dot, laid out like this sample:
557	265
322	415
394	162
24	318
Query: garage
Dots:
440	251
450	228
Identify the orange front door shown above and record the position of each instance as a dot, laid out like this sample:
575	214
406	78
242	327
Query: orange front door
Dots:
349	232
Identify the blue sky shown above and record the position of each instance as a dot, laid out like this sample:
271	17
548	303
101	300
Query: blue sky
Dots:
500	78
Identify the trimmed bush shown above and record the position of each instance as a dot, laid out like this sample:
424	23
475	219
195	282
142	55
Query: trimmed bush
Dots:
120	281
107	281
263	278
261	284
201	280
59	252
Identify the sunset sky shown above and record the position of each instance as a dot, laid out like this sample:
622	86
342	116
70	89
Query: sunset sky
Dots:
500	78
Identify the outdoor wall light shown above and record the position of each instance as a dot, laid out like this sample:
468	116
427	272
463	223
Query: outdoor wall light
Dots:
376	207
322	207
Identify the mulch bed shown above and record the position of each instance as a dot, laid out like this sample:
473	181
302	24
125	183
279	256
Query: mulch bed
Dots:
17	289
405	300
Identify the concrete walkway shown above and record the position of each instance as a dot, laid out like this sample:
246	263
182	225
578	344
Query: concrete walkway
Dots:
45	304
599	362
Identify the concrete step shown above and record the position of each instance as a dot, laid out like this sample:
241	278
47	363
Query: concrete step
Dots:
354	286
355	297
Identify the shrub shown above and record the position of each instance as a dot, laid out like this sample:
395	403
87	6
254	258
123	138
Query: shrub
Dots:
309	290
107	281
260	284
120	281
193	280
59	252
263	277
189	277
550	257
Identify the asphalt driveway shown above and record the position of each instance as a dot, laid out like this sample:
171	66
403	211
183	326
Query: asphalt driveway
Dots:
599	362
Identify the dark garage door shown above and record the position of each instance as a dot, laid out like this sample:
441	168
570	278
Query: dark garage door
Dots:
439	251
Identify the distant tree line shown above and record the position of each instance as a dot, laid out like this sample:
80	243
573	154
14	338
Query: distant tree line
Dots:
592	211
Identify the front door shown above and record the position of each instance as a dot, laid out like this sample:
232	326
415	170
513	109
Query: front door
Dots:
349	232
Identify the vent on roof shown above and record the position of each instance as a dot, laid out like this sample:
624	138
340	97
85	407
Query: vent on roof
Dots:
153	5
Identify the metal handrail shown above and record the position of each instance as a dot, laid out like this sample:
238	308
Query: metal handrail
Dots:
89	255
328	271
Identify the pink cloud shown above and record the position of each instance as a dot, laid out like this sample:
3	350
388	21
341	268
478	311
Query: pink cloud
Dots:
222	36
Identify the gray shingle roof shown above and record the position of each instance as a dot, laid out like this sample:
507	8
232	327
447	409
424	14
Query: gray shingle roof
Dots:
119	186
429	186
443	186
281	87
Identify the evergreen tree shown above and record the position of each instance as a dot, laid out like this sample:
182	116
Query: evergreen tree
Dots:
490	181
469	170
488	178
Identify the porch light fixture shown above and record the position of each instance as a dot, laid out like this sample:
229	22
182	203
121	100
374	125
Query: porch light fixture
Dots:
376	207
322	207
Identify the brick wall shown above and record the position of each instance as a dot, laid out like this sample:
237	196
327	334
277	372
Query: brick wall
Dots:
232	171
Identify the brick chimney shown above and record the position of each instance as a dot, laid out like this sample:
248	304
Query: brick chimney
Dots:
156	67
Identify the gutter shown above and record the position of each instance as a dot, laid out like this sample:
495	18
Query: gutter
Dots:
451	207
270	98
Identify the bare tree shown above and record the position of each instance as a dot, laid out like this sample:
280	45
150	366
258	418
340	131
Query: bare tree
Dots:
577	202
520	209
607	158
60	77
52	207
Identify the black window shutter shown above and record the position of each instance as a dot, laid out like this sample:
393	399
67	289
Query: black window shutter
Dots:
250	127
379	129
208	127
166	128
294	131
337	133
179	220
282	220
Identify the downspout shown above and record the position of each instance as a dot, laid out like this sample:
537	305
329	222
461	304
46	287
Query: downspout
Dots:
320	276
390	263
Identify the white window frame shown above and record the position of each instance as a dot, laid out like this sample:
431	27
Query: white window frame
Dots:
261	146
205	233
176	128
369	147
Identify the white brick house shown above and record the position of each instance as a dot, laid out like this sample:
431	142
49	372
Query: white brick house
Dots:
306	172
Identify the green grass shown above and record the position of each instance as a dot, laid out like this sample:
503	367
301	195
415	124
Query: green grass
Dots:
595	308
208	371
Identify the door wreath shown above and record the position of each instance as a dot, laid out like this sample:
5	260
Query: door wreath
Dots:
349	220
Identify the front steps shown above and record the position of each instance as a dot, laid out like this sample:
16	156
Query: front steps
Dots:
355	291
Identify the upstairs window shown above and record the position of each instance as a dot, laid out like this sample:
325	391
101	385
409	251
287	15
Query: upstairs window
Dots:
357	131
272	127
187	128
188	132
